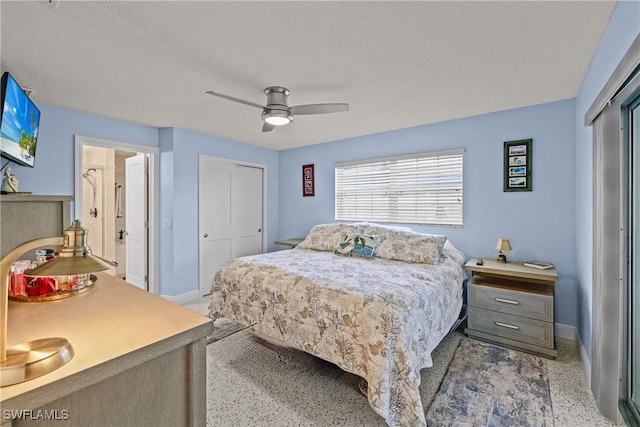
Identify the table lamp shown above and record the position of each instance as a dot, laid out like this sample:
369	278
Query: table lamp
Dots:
503	245
32	359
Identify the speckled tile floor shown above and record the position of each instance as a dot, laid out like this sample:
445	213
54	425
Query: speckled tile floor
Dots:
571	397
310	392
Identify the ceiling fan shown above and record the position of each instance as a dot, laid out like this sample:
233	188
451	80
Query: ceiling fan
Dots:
278	113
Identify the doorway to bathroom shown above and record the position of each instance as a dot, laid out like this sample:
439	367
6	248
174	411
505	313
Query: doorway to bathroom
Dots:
116	201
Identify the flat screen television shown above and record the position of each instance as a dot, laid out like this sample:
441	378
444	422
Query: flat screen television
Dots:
19	123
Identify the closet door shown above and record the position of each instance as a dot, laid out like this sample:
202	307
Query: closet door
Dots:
230	215
247	211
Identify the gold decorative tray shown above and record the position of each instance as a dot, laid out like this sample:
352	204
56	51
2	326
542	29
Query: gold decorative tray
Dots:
58	294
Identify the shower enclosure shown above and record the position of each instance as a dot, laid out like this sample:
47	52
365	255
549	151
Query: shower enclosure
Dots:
93	208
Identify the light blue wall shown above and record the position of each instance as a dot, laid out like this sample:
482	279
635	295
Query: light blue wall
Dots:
180	149
539	224
623	28
54	167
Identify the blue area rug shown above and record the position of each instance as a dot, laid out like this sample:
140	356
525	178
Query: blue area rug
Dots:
487	385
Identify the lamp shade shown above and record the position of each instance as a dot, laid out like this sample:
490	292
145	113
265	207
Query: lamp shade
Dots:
75	256
503	244
65	266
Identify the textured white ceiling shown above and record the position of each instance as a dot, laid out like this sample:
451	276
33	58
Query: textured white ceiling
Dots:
398	64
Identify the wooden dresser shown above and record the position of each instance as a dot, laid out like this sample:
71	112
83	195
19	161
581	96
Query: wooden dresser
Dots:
139	360
512	305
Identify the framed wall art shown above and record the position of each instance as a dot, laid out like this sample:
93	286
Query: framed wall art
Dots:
308	183
518	169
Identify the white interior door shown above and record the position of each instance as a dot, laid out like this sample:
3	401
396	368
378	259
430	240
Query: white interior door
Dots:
214	219
247	211
136	220
230	212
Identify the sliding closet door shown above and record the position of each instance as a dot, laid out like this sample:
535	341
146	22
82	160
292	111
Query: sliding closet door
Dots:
214	219
230	214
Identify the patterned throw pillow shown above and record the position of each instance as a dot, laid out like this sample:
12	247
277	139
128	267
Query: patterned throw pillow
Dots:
326	237
408	246
358	245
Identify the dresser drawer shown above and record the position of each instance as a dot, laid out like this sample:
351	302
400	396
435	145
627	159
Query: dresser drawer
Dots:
505	299
514	327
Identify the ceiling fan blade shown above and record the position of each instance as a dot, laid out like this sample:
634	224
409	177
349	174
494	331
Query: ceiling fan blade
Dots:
266	127
231	98
319	109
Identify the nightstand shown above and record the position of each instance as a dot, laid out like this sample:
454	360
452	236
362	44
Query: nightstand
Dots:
289	242
512	305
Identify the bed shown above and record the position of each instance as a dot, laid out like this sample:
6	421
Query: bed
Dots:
376	313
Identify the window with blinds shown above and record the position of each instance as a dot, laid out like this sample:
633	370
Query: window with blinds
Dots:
419	189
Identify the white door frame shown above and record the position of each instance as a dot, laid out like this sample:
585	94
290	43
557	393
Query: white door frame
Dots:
154	194
264	197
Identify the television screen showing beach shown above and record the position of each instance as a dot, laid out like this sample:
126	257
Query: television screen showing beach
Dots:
19	128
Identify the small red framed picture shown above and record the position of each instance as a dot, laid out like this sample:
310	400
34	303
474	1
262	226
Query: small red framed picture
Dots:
308	186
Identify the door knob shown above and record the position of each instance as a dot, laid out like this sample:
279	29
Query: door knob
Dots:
205	235
259	230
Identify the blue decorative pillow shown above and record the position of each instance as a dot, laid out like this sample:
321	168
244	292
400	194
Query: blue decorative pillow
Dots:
358	245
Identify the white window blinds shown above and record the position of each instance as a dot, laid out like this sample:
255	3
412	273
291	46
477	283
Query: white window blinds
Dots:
419	189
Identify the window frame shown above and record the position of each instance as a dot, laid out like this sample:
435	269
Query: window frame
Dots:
454	159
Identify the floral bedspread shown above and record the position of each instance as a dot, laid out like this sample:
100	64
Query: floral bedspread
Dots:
377	318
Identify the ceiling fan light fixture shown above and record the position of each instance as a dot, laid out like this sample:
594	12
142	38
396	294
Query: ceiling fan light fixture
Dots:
277	117
277	121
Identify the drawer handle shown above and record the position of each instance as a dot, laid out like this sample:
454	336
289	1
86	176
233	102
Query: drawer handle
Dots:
507	301
506	325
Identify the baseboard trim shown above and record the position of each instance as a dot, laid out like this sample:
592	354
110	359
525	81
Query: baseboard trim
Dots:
566	332
183	298
584	358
